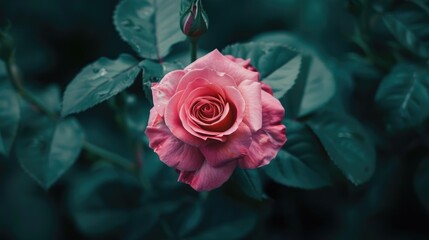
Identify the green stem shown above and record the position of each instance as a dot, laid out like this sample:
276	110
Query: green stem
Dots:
138	167
194	44
107	156
12	70
120	108
167	229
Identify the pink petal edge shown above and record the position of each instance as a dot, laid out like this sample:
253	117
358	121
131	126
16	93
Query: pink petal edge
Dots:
207	177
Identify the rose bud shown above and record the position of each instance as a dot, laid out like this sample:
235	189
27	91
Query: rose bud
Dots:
212	117
194	21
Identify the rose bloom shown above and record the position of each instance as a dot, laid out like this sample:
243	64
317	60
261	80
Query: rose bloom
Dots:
214	116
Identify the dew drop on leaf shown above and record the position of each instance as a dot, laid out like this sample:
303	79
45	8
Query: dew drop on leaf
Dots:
127	23
137	28
145	12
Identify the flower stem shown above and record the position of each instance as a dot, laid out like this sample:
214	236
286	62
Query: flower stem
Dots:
194	44
12	70
120	108
108	156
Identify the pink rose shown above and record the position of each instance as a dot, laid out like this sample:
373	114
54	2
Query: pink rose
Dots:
214	116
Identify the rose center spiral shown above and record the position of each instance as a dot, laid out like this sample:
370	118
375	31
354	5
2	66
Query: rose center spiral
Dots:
212	113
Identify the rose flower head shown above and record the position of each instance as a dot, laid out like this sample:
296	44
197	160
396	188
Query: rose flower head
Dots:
214	116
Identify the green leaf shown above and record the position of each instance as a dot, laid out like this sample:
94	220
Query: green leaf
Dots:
290	171
277	64
315	74
347	143
154	72
320	86
151	27
104	200
46	150
224	217
302	162
9	113
249	182
98	82
403	97
421	182
410	27
186	219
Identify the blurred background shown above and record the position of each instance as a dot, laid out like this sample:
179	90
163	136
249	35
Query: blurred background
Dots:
56	38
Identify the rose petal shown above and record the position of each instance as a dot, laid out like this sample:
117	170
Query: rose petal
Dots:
232	115
171	150
165	89
242	62
267	141
236	100
209	75
188	97
235	147
251	92
218	62
174	123
272	110
207	177
264	147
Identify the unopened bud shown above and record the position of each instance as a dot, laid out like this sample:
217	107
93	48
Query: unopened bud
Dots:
7	45
194	21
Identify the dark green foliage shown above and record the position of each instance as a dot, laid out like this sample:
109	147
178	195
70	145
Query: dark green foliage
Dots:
410	26
315	85
347	143
46	149
421	182
403	97
9	112
249	182
352	75
302	162
98	82
151	27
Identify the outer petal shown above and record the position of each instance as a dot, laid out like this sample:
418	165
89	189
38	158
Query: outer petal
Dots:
266	88
207	177
267	141
251	92
236	146
165	89
218	62
209	75
171	150
272	110
244	63
264	147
